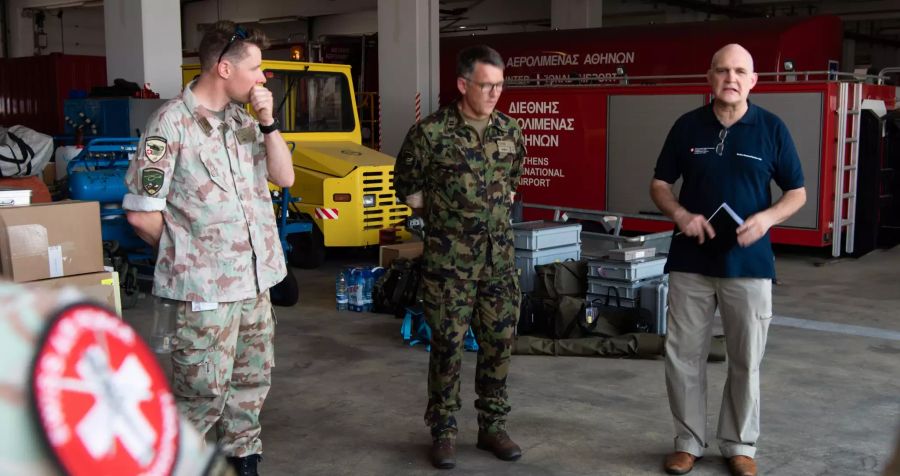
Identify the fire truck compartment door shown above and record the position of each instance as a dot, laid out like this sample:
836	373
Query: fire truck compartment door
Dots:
802	114
638	126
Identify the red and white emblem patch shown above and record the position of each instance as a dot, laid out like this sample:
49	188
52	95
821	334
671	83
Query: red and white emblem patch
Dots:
101	398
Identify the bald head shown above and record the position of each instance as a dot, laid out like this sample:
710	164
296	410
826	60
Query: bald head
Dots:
731	76
732	51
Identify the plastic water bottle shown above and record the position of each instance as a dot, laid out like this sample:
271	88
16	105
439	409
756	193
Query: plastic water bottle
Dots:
340	291
354	289
368	284
162	338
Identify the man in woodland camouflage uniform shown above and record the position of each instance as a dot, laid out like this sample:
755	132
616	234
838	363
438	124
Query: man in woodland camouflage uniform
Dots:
459	168
198	191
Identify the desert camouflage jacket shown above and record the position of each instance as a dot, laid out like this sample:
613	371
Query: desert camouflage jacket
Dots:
208	177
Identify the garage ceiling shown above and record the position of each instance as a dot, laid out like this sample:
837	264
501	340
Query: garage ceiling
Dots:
872	20
876	21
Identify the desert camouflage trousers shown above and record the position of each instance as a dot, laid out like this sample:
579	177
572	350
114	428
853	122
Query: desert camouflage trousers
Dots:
222	370
491	306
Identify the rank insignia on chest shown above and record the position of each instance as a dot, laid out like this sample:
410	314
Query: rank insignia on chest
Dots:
155	148
152	180
205	125
246	135
505	147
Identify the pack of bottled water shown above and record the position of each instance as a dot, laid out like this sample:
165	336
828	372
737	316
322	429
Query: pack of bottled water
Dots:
353	287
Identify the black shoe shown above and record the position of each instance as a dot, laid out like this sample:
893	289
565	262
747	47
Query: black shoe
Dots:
245	466
443	453
500	444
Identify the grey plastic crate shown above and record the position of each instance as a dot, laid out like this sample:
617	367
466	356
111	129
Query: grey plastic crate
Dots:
627	270
651	298
597	244
539	235
626	289
526	260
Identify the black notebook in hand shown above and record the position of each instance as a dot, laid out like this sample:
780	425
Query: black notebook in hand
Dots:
725	221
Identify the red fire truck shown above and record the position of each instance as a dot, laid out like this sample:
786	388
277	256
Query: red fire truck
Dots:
595	106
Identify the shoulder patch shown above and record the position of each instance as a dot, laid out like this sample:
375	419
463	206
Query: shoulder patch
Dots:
100	399
155	148
152	180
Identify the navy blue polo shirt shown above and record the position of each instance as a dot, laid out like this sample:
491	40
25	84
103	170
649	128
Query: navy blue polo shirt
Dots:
756	150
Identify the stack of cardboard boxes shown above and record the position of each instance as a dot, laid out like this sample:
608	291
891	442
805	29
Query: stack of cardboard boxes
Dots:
55	245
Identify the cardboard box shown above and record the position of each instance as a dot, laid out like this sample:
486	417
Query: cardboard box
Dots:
631	254
50	240
388	253
100	287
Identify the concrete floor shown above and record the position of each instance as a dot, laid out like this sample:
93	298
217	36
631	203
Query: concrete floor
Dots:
348	396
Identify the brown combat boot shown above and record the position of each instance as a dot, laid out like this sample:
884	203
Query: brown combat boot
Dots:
499	444
680	462
443	453
742	466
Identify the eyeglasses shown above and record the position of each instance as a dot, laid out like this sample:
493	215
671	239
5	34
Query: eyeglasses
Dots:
239	33
486	87
720	147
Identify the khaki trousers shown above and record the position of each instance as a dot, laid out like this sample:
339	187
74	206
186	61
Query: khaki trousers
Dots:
222	370
745	305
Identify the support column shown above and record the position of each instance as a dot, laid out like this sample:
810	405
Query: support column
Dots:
408	66
143	43
571	14
848	55
20	28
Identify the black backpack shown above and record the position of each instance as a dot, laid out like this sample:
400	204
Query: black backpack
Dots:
398	288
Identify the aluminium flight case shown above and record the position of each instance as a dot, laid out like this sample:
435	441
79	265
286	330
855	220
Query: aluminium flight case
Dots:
653	299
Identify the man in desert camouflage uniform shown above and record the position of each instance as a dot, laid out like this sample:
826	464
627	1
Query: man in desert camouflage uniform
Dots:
198	190
459	168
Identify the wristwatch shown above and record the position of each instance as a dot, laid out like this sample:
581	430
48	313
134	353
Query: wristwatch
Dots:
274	126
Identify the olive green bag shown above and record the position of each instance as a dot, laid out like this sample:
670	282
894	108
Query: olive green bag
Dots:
562	278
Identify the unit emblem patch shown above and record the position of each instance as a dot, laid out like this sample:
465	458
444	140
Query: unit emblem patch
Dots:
152	180
155	148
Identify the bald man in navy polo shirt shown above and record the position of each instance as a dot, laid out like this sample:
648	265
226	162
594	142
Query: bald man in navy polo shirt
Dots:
725	152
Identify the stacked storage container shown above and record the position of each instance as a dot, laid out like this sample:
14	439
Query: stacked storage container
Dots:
631	278
543	242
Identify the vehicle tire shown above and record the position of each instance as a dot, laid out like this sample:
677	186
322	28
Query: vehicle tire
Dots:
287	292
307	249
